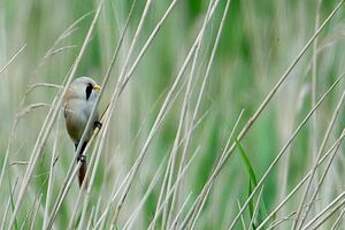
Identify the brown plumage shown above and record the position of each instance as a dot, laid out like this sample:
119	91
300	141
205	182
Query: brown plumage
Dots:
82	174
78	103
83	166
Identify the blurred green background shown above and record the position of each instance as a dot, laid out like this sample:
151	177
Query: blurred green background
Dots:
259	41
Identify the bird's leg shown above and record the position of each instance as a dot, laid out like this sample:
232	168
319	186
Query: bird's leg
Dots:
76	145
97	124
81	157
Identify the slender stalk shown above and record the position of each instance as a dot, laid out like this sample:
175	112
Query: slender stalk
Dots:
256	210
88	125
92	174
12	190
298	186
326	137
243	223
282	220
206	76
232	133
50	180
179	213
35	212
194	211
168	213
2	69
161	115
338	220
169	193
268	98
89	223
104	84
130	221
314	127
65	34
325	210
284	148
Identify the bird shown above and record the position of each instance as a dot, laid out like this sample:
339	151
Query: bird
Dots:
78	102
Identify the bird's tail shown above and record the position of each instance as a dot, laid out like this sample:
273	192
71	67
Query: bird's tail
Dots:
82	173
83	166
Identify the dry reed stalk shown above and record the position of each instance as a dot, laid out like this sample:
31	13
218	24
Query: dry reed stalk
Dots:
337	222
180	212
314	126
130	221
12	191
193	212
159	117
206	76
301	182
104	84
50	180
319	155
49	122
256	210
267	99
65	34
170	192
102	217
168	211
325	210
12	58
285	147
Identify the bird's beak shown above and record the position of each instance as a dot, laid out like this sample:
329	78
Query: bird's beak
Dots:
97	88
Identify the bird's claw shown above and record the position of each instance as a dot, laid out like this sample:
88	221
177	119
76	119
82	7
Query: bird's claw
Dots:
98	124
81	158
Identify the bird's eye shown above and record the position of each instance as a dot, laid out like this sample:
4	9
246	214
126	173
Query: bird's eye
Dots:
88	90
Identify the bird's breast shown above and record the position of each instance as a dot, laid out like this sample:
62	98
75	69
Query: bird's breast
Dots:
76	114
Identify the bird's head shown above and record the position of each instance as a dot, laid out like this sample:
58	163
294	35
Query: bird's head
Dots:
83	88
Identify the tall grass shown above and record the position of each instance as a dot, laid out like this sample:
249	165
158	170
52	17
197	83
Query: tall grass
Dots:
217	114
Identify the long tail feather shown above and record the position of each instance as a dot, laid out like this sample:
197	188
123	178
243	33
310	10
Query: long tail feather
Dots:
83	167
82	173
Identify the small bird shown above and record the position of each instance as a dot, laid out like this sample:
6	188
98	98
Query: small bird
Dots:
78	103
